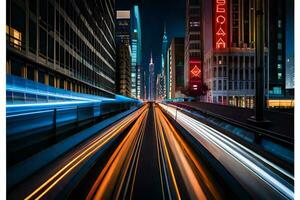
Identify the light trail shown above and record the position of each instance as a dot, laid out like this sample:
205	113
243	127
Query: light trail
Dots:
189	167
111	181
85	152
244	164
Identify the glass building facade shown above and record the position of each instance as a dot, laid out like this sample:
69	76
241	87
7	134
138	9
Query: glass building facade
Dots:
136	53
62	43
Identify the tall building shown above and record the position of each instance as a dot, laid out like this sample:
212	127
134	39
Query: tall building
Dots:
277	53
290	48
164	49
175	68
193	58
151	96
123	59
64	44
136	53
161	77
229	64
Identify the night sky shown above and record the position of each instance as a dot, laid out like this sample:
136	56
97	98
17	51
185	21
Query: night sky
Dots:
154	13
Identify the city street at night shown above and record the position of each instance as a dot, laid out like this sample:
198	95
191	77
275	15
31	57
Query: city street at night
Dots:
148	99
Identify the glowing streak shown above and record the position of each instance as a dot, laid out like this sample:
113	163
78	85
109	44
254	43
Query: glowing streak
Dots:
240	153
96	145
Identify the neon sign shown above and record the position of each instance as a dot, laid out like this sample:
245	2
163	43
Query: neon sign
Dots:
220	28
195	75
196	71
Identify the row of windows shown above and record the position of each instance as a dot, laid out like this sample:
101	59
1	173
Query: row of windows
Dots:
66	33
239	101
52	79
51	23
233	73
232	85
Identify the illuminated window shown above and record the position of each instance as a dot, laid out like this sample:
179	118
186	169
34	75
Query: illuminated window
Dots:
279	24
15	37
279	66
279	75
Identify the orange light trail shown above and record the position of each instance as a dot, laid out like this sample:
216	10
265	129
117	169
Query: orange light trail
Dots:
85	153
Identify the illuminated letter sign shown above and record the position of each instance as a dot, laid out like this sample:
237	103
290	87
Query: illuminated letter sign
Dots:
220	28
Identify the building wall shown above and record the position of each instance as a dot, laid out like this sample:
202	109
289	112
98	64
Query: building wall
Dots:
176	67
151	80
58	43
136	53
123	81
193	43
277	33
229	68
123	78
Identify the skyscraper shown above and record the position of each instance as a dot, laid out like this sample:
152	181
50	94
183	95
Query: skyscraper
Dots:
123	60
175	68
277	53
193	57
164	49
50	42
229	64
136	53
151	96
161	77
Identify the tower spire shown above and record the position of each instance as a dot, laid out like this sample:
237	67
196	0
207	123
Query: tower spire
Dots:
165	31
151	59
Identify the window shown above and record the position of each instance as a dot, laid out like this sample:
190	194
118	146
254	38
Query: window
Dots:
50	16
279	23
50	48
224	85
62	53
43	12
279	76
30	73
220	85
214	85
16	68
279	66
230	85
57	52
43	42
41	78
279	45
32	36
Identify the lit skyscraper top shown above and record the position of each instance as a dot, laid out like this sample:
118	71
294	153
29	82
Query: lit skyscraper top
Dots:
164	48
151	79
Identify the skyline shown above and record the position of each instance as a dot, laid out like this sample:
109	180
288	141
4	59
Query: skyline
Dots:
153	14
211	119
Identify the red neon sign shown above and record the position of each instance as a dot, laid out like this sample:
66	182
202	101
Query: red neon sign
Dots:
220	28
196	71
